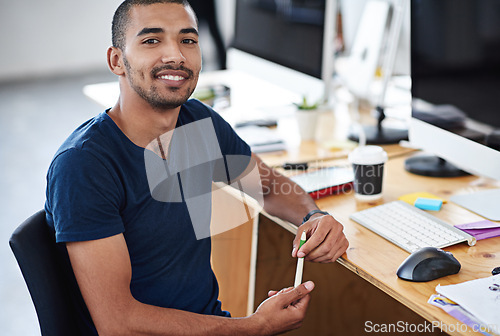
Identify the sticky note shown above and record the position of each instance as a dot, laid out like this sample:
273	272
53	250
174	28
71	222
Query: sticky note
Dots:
338	145
411	198
428	203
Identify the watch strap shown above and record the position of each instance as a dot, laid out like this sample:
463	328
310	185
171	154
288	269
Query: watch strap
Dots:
313	212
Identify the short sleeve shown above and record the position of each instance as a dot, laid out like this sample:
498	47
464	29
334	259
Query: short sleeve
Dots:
83	197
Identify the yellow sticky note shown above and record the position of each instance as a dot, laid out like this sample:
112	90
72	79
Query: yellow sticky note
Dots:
411	198
338	145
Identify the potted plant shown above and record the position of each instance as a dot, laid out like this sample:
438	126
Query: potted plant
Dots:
307	118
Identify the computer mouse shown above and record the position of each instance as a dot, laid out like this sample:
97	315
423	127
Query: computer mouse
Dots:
427	264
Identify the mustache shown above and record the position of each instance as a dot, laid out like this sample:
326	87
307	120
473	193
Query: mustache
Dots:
155	71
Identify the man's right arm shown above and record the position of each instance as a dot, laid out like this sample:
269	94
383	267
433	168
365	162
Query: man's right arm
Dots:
103	271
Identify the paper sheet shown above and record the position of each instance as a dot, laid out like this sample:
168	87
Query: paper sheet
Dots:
480	297
457	312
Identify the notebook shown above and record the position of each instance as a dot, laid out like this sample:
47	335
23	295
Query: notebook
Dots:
325	181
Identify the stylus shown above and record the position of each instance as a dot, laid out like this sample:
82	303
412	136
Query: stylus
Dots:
300	262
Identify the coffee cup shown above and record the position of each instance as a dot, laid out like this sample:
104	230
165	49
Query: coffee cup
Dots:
368	166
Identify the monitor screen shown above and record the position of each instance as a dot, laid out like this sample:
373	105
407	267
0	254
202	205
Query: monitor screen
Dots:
289	33
455	69
455	63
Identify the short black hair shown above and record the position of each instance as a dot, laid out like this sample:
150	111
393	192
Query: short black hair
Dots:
121	18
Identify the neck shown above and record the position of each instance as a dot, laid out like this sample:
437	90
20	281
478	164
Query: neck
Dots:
140	122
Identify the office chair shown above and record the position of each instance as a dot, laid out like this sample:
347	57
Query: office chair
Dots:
50	280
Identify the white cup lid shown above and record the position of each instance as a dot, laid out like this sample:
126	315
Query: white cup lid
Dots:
368	155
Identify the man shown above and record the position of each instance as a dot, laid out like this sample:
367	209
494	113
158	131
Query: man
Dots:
137	261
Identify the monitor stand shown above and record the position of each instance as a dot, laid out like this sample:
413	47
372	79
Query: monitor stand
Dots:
430	165
380	135
483	203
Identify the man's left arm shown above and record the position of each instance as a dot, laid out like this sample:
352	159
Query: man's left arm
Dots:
285	199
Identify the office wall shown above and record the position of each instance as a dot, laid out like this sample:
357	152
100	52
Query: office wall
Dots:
53	37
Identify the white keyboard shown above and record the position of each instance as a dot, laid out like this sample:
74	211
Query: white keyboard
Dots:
409	227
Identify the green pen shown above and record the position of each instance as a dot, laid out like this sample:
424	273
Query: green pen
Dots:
300	262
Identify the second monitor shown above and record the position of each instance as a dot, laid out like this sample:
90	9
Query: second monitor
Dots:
455	64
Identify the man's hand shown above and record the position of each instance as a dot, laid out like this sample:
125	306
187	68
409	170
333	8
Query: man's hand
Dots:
284	310
326	241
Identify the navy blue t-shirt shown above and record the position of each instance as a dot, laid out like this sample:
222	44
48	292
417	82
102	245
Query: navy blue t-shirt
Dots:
97	187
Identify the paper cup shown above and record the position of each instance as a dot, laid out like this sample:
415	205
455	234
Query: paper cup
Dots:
368	166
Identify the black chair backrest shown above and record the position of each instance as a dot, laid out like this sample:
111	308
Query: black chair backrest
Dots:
50	280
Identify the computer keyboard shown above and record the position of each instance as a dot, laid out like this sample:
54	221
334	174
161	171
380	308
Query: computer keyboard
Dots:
409	227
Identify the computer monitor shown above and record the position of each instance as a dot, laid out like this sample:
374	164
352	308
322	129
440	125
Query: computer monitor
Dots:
293	34
455	69
381	42
289	33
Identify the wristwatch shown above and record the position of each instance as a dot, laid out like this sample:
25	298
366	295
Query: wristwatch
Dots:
313	212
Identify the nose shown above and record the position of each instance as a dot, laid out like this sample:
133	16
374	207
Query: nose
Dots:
172	53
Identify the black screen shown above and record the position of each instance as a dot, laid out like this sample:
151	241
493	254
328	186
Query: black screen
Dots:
289	33
455	55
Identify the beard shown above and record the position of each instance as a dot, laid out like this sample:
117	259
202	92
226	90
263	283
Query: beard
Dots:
151	95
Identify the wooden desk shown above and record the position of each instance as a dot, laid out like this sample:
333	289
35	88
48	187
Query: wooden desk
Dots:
342	301
377	260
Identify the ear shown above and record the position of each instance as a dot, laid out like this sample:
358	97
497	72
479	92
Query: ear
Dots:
115	62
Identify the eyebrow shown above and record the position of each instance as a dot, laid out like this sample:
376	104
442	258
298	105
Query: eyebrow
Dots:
146	30
189	31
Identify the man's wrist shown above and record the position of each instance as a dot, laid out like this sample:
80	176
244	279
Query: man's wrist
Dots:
314	213
253	324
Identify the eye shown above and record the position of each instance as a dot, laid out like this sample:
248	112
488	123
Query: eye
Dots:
189	41
151	41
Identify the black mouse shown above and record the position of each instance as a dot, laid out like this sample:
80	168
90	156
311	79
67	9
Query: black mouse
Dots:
427	264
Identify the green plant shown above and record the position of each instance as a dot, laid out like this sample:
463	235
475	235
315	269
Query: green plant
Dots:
305	105
204	93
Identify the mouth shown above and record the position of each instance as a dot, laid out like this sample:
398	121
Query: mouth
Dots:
172	80
173	77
